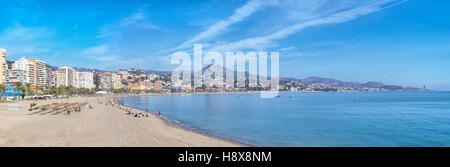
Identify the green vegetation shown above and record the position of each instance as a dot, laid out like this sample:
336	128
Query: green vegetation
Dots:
2	90
30	90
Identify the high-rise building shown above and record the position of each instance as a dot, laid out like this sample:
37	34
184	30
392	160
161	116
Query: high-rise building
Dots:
117	80
104	80
50	77
70	77
35	72
85	80
40	77
27	66
60	78
3	66
17	75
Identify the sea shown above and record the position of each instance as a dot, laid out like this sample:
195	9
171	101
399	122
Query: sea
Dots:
311	119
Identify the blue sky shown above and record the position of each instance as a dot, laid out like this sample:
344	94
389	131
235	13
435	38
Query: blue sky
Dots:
390	41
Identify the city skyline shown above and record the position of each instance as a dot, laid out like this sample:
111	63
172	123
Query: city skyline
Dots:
389	41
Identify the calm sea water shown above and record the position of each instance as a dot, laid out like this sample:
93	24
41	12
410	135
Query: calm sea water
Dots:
312	119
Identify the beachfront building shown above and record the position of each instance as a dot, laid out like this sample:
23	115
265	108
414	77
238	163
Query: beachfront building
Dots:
50	76
117	80
17	75
85	80
20	67
70	76
3	66
104	80
39	71
60	78
31	71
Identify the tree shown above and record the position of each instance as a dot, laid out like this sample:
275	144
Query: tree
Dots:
27	89
2	90
53	91
62	90
19	86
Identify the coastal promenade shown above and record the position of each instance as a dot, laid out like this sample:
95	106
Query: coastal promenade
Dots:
103	125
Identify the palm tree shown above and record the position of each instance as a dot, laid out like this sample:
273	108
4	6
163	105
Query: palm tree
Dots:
42	89
70	90
20	86
28	88
62	90
2	90
53	90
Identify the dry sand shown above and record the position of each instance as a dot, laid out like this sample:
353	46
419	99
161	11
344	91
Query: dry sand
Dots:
101	126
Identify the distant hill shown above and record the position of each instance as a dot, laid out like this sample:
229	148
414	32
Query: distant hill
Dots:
82	69
338	83
158	72
329	81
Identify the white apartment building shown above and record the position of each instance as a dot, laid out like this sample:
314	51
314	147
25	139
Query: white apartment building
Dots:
40	78
50	77
152	77
60	78
3	66
85	80
25	65
105	80
17	75
70	77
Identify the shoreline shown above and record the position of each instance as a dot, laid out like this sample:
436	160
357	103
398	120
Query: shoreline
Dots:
195	130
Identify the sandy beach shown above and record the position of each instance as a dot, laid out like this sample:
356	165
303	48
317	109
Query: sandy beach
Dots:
104	125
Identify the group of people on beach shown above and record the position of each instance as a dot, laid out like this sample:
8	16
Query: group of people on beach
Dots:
129	109
74	110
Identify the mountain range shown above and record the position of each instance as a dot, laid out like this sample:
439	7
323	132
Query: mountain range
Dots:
338	83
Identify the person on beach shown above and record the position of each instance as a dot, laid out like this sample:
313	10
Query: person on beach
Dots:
159	112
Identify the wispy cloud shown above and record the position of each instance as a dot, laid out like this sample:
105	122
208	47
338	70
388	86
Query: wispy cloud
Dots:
269	40
110	53
21	41
132	19
137	19
239	14
102	49
286	49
